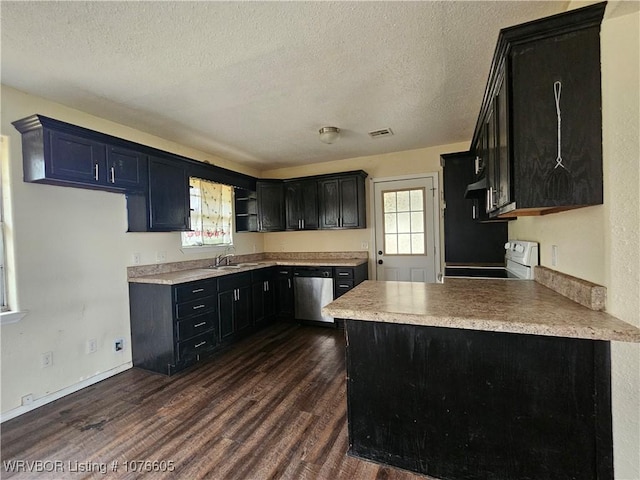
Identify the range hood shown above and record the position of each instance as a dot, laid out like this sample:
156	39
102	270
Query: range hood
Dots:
476	189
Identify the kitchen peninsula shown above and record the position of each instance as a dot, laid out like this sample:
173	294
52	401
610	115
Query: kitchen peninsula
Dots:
476	379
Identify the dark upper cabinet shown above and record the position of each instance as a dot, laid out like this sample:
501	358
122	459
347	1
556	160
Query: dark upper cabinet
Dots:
168	195
270	195
301	200
342	201
165	206
460	214
126	168
58	153
541	115
75	159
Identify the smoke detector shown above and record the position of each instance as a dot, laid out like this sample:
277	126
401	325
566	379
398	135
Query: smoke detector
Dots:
383	132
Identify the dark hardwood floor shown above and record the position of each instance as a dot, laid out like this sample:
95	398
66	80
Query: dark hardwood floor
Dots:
272	406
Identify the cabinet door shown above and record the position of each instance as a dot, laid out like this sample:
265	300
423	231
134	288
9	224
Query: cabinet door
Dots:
168	195
573	60
242	308
294	207
329	193
503	179
301	199
269	299
493	173
284	293
270	206
76	159
125	168
226	302
349	203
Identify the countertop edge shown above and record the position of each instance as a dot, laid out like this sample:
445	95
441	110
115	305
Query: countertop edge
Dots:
486	325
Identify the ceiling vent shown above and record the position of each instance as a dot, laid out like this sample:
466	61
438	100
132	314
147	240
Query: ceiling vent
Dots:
384	132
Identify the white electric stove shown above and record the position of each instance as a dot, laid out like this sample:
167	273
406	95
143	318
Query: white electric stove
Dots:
520	258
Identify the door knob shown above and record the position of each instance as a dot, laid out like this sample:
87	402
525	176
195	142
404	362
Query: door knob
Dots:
380	262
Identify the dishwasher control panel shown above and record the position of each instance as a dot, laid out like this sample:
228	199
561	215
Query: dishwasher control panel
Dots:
318	272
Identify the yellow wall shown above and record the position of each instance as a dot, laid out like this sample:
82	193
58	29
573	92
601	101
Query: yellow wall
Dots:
602	243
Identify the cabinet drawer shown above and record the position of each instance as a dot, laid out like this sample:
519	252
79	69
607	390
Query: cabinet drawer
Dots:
342	272
196	346
194	326
193	291
342	286
196	307
230	282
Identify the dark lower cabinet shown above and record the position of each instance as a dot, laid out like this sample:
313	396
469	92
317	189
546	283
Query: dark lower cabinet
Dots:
345	278
263	291
283	281
172	327
234	303
472	405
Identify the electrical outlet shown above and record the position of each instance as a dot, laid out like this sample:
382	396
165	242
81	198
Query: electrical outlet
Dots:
27	399
136	258
554	255
161	257
118	345
92	346
364	245
46	359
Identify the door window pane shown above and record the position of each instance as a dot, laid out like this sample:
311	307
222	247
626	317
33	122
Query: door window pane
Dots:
404	222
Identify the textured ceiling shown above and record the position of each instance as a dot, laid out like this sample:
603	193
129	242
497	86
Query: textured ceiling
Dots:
254	81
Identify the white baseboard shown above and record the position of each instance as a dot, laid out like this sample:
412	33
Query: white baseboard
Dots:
65	391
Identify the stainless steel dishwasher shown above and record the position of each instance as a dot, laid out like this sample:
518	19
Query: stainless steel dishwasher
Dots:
313	289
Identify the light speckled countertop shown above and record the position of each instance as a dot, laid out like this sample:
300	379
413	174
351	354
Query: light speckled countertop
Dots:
191	275
491	305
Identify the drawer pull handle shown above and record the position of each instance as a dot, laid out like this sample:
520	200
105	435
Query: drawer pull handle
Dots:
199	324
197	290
344	286
343	274
199	306
284	273
200	344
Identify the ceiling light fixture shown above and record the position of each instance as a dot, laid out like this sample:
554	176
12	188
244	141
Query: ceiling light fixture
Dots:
329	134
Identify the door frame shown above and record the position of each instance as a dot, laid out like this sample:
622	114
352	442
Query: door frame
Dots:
437	218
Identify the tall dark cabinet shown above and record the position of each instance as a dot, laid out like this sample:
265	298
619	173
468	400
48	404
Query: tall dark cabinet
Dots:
539	132
467	241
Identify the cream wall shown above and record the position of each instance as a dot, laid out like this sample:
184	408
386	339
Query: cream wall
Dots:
602	243
410	162
68	251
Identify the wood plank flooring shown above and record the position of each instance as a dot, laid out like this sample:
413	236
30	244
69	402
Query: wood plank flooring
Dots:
272	406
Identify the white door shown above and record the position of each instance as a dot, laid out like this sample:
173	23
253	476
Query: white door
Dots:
406	229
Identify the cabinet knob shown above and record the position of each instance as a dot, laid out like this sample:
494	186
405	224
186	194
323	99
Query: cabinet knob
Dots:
380	262
379	252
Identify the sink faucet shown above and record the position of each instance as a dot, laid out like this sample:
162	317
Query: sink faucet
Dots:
223	258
